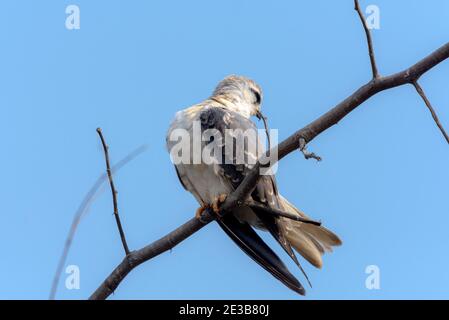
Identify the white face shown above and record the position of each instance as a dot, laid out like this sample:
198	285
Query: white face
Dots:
243	93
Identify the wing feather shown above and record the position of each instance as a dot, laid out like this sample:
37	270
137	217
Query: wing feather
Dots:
235	166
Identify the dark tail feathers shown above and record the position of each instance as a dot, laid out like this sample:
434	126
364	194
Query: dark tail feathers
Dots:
250	242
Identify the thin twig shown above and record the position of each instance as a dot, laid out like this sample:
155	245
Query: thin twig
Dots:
114	192
307	155
83	209
368	39
429	106
267	132
284	214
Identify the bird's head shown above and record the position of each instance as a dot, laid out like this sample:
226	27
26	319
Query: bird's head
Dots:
239	94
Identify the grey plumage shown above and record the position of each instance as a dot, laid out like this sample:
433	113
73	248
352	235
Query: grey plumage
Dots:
229	109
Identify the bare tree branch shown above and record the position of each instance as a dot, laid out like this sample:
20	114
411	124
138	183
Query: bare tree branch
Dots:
82	211
114	192
308	133
415	83
368	40
137	257
429	106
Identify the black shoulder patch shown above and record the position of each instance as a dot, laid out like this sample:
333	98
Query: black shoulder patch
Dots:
212	118
220	119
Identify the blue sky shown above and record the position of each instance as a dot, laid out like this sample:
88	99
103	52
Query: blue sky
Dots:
382	185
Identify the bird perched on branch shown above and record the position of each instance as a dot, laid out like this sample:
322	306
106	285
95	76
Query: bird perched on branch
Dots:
211	166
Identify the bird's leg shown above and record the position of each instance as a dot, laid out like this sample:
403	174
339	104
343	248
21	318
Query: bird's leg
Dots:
217	203
200	211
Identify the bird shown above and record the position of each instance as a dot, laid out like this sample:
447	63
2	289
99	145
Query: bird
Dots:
229	109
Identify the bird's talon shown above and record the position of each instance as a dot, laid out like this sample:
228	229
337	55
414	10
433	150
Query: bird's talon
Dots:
222	198
200	211
217	203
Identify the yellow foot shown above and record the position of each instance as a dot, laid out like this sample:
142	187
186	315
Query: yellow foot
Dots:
217	203
200	211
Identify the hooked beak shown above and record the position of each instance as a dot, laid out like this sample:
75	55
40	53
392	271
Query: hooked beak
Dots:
259	115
